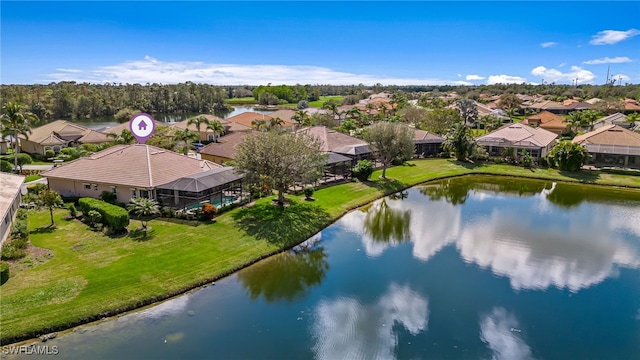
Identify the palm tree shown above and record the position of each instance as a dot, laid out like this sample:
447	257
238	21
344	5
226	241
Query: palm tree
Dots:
217	128
590	117
300	117
259	125
468	111
125	137
511	112
275	123
198	121
575	121
187	137
15	121
143	208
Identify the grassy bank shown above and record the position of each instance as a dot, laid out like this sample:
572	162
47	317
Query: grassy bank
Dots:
92	275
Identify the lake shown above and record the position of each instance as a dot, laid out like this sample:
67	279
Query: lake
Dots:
104	122
465	268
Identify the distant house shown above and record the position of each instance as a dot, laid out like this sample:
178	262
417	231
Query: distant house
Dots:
117	129
129	171
4	146
248	118
612	145
58	135
550	106
613	119
10	197
427	143
225	149
548	121
339	143
535	141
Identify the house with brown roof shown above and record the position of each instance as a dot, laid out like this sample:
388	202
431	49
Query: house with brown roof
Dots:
612	145
551	106
535	141
129	171
59	134
427	143
339	143
631	105
613	119
225	149
548	121
10	197
247	118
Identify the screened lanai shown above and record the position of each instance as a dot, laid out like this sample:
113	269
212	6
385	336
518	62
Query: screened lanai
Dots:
220	187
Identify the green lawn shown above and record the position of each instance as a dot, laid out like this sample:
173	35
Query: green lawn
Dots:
92	275
29	178
323	99
241	101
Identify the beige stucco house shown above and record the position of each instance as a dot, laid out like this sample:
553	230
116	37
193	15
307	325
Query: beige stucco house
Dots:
129	171
536	141
58	135
10	197
612	146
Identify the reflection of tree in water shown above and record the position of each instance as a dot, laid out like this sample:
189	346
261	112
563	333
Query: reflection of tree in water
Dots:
401	195
385	224
287	276
455	193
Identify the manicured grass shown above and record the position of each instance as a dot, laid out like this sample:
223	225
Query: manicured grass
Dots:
32	178
241	101
323	99
92	275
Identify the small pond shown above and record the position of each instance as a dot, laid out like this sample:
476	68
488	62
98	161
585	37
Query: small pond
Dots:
465	268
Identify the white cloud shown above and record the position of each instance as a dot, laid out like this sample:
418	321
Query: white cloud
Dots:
563	64
610	37
553	75
548	44
622	77
151	70
498	330
608	60
347	329
505	79
474	77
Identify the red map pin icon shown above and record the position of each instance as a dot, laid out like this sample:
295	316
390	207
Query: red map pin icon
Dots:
142	127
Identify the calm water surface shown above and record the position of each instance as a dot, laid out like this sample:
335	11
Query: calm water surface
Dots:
471	267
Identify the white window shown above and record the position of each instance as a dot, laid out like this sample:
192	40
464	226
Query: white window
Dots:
134	193
95	186
113	190
211	137
87	186
144	194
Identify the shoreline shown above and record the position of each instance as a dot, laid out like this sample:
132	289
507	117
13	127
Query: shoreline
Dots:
32	335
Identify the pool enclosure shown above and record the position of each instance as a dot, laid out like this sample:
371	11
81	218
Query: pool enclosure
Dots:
220	187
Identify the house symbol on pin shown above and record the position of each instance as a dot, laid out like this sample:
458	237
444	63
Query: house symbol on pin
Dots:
142	125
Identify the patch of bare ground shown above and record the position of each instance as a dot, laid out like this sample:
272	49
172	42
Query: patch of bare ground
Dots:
35	256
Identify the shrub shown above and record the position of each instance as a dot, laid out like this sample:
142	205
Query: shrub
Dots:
72	210
19	229
113	216
544	162
167	211
209	211
6	166
20	243
22	214
108	196
94	217
526	158
363	170
36	188
568	156
4	273
308	192
11	251
49	154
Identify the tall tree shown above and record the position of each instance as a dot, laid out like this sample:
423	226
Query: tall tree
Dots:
217	128
459	141
468	111
198	121
575	120
50	199
16	121
388	141
509	101
440	121
185	137
281	159
143	208
301	118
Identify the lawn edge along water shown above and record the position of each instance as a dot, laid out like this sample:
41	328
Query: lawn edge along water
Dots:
336	200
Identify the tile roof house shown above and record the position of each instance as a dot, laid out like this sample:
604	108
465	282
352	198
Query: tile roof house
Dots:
612	145
427	143
339	143
631	105
613	119
128	171
551	106
247	118
536	141
225	149
548	121
204	133
10	197
59	134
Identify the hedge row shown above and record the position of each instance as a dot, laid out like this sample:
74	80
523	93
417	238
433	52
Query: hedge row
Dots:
113	216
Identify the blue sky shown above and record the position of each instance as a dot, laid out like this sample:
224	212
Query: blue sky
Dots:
254	43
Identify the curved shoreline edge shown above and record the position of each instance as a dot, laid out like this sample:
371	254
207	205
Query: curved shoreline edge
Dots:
31	336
